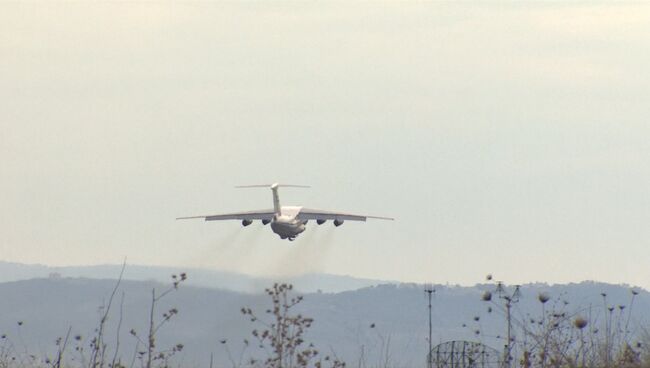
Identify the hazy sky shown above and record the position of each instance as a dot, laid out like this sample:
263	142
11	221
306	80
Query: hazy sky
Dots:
510	139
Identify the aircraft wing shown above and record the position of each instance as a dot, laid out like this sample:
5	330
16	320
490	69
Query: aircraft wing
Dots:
313	214
248	215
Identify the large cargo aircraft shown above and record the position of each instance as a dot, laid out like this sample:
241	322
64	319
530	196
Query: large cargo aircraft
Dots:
286	221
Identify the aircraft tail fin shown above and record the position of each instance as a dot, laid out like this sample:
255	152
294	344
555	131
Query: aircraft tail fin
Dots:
274	187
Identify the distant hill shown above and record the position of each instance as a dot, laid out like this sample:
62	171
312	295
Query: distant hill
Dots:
380	322
200	277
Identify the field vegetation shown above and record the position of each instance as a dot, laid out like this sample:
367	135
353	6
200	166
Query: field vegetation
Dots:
558	335
562	335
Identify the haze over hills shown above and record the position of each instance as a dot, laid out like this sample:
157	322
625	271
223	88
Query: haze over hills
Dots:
310	282
377	320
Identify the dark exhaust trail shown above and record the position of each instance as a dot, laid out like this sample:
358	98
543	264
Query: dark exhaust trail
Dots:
210	254
308	254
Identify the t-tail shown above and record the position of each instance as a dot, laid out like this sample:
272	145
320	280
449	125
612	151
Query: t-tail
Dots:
274	188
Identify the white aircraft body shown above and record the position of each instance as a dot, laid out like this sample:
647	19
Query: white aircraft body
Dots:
286	221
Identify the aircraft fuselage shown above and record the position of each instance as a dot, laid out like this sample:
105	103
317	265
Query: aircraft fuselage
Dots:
287	227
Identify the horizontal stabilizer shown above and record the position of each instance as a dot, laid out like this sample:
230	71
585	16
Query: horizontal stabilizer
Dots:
274	185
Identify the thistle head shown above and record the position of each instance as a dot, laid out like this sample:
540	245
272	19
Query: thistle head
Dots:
543	298
487	296
580	323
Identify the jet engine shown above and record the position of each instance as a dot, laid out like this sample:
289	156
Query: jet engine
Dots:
320	222
338	223
246	222
265	222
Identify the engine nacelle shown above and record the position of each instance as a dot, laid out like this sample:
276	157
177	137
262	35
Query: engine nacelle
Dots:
246	222
265	222
338	223
320	222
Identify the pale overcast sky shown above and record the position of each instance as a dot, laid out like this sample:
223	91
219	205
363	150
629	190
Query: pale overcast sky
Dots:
510	139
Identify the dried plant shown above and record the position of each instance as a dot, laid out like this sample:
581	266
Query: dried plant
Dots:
151	355
562	336
281	337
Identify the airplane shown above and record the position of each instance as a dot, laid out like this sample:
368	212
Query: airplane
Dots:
286	221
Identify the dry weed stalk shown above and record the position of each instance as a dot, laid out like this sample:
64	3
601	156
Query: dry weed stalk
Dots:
563	337
282	336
